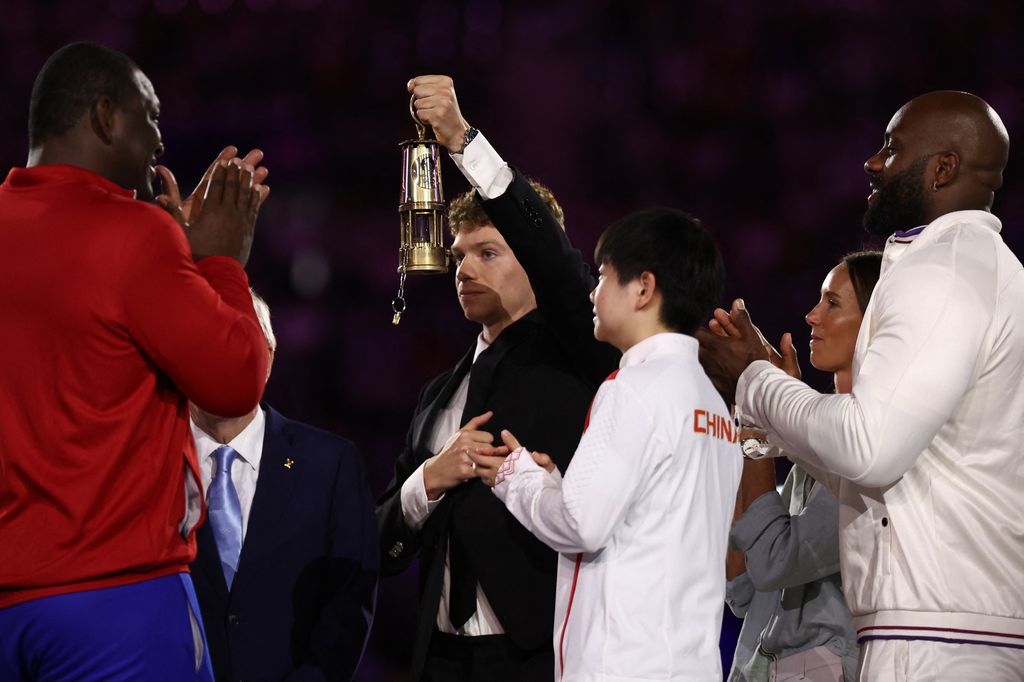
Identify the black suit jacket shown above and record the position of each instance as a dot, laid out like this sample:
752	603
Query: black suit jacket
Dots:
539	377
302	600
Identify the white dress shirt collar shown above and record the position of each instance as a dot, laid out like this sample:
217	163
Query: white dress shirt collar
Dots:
481	346
248	444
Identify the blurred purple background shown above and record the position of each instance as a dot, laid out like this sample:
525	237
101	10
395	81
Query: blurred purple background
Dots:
756	117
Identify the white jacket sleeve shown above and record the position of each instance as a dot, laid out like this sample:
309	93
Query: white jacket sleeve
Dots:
930	315
580	513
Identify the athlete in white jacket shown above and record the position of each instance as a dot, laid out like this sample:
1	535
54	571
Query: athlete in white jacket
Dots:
925	454
642	516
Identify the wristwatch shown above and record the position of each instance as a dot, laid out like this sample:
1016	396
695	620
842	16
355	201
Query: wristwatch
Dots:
755	448
471	133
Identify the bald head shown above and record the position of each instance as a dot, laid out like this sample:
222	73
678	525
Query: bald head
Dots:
962	123
944	151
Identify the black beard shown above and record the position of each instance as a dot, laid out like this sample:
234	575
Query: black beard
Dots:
900	202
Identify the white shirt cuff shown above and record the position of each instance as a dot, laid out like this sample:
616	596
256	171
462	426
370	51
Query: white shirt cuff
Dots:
484	168
416	508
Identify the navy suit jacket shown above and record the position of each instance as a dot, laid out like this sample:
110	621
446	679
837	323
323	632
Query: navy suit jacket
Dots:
302	601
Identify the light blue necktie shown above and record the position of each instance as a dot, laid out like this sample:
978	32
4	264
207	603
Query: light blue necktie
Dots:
225	512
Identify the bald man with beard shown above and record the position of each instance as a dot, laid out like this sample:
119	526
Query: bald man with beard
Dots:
925	455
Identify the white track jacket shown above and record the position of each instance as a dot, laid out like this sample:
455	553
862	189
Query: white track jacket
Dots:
641	521
927	453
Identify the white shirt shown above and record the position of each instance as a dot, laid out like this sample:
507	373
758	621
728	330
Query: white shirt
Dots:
641	522
245	470
416	508
927	452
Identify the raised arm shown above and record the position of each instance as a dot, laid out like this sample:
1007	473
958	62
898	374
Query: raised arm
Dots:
931	316
193	315
560	278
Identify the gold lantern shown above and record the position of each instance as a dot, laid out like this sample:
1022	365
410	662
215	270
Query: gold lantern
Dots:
421	211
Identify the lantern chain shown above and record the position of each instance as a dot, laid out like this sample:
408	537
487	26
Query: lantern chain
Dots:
398	302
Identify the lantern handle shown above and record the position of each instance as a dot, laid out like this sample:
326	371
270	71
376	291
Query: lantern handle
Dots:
421	127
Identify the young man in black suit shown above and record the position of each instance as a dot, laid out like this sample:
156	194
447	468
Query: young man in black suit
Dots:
286	570
486	584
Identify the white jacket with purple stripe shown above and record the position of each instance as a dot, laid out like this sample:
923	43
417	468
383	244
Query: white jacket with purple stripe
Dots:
926	455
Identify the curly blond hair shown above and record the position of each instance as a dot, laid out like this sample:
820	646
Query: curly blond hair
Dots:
466	213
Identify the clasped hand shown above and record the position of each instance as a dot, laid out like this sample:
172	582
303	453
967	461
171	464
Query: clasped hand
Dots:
453	466
487	465
470	453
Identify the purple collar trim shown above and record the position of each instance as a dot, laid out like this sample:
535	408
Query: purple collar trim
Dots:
910	233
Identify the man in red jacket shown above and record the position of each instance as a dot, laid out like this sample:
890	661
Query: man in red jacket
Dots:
112	317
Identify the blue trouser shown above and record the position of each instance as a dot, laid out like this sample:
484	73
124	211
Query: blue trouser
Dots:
143	631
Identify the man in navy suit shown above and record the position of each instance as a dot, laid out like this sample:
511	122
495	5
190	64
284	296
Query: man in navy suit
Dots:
287	562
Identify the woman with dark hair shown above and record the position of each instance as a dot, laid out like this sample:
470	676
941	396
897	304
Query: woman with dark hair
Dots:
784	573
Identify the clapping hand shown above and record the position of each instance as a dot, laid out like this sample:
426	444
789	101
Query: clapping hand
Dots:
188	211
786	360
219	217
731	342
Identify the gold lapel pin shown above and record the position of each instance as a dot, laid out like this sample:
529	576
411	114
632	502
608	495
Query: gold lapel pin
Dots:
288	462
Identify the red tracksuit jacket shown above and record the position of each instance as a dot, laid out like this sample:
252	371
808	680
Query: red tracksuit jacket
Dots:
106	325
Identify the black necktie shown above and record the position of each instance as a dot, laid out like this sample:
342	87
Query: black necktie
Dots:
462	587
462	590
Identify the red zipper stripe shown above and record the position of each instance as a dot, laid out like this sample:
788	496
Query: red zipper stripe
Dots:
586	422
565	623
576	572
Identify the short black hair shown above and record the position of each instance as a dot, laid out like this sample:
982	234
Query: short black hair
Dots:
682	255
71	80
